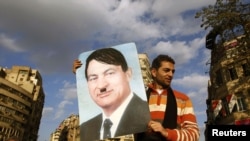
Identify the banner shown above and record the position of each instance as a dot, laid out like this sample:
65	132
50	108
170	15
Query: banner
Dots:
216	107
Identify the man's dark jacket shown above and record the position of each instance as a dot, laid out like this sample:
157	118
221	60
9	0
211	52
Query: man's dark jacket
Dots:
134	120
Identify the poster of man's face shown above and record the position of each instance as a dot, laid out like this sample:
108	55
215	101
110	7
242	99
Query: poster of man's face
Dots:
110	86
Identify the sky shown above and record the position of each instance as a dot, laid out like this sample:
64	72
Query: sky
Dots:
48	35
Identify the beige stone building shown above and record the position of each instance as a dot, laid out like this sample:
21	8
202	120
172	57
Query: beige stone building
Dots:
145	68
68	130
228	100
21	103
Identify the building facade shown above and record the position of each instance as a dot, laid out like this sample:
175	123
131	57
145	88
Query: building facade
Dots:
21	103
68	130
145	68
228	100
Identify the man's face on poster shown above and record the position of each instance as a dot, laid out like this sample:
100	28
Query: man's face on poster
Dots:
108	84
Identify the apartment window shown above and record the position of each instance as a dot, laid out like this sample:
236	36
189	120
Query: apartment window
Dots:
218	39
2	108
246	69
232	73
225	110
248	94
228	34
23	72
219	80
238	30
241	104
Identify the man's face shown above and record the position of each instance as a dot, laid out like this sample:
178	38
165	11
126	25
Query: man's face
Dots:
164	75
108	84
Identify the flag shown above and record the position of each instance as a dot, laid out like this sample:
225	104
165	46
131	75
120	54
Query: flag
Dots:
231	101
216	107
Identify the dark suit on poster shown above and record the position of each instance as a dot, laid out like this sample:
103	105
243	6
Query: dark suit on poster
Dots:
134	120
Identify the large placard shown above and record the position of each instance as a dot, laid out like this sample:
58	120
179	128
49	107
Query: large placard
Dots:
110	85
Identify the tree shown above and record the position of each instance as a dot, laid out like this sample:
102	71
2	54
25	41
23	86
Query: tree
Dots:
227	18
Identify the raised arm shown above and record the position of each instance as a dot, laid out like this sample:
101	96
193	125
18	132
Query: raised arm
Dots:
76	64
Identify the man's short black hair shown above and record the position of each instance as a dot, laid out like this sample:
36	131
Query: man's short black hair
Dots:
156	64
108	56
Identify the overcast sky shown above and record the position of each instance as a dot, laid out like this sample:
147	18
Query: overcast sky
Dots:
48	35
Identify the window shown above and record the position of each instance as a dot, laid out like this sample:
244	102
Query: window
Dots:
233	74
23	72
218	39
228	34
219	80
246	69
225	109
238	30
241	104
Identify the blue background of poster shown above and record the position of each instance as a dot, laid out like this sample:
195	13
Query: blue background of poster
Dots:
87	108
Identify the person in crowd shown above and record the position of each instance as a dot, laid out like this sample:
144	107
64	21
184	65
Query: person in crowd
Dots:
108	78
172	112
